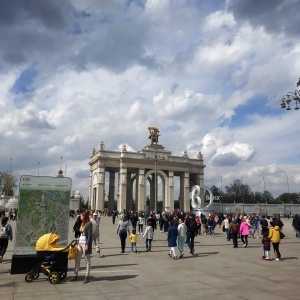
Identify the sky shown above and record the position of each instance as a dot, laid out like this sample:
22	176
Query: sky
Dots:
209	74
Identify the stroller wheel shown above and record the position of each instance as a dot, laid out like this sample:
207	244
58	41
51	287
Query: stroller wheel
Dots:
53	277
36	275
62	274
29	277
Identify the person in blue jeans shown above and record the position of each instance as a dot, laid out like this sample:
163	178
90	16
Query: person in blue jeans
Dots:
191	232
211	226
255	225
123	228
149	236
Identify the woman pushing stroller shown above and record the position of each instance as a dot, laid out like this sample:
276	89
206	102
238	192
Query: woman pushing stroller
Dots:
84	246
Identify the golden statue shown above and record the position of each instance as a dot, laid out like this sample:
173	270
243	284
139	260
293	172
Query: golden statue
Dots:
153	134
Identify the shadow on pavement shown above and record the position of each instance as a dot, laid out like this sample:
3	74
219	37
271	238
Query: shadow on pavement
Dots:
113	278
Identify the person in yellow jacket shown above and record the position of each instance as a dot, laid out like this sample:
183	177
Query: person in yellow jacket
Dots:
274	236
133	239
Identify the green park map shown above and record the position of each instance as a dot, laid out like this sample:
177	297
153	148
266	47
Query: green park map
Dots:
44	204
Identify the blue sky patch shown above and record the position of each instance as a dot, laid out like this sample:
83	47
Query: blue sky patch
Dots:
256	106
24	83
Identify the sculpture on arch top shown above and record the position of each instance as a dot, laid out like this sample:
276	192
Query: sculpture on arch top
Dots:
153	134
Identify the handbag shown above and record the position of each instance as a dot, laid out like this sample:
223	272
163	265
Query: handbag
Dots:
282	235
73	252
223	228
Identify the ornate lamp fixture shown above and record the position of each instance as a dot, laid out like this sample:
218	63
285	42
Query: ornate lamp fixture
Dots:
287	99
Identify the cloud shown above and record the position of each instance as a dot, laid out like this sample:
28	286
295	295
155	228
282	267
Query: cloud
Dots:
272	15
209	74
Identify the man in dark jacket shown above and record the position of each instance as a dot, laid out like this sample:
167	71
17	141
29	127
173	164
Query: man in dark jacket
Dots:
190	223
153	222
296	225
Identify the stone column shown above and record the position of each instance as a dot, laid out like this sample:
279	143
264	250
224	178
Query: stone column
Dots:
141	200
169	204
136	190
91	190
122	187
111	192
152	191
100	189
129	203
186	192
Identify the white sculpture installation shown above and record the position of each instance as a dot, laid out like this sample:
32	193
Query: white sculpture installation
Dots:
196	199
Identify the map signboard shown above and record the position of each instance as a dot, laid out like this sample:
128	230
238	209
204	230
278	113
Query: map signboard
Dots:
44	205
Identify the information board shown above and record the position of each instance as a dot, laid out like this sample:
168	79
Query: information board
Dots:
44	204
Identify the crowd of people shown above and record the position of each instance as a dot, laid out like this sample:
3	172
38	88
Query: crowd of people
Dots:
180	228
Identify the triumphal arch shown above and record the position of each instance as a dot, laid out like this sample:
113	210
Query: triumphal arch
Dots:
123	176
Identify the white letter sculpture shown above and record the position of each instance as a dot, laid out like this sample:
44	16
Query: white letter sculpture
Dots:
196	199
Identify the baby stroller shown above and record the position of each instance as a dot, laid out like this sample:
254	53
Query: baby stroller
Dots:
54	266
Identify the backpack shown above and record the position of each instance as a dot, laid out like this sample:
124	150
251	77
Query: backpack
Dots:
235	228
3	234
264	223
192	225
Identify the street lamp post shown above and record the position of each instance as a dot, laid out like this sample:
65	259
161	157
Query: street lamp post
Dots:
221	195
155	178
289	97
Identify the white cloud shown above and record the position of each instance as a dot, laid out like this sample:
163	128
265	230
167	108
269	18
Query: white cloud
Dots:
108	71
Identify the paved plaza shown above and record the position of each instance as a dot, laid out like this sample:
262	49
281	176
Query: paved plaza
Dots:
216	270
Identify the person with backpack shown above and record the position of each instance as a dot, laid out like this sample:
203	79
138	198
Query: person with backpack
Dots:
233	231
191	225
5	235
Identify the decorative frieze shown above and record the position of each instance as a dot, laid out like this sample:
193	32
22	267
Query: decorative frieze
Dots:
156	156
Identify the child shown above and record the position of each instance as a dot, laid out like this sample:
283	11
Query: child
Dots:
266	246
133	239
149	236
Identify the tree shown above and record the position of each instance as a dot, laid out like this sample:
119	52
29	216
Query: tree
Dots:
268	197
8	182
288	197
239	192
83	204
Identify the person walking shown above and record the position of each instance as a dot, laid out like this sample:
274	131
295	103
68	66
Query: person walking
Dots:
84	246
226	227
172	238
191	226
76	227
149	236
296	225
244	231
6	234
122	230
96	233
141	223
274	236
133	240
233	232
181	236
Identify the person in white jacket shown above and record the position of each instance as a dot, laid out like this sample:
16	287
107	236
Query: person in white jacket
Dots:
149	236
181	236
